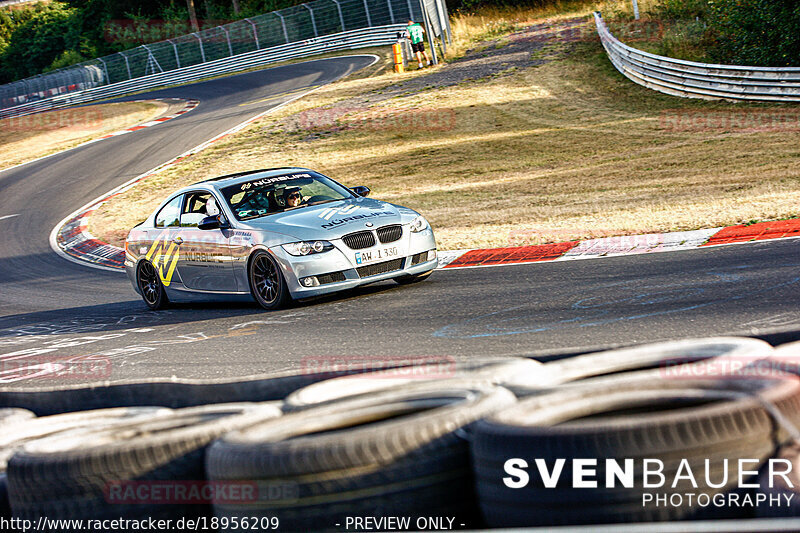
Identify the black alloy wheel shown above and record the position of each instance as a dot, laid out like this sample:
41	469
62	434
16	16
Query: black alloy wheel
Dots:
150	286
266	281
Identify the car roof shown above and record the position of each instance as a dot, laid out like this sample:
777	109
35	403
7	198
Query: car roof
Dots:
232	179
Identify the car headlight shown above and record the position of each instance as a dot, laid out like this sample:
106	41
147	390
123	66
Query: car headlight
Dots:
418	224
307	247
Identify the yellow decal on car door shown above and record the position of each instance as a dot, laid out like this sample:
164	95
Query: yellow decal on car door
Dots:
163	254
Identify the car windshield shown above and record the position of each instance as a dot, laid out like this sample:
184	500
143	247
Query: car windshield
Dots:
277	194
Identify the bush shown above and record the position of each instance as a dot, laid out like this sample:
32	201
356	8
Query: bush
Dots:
759	32
37	42
683	9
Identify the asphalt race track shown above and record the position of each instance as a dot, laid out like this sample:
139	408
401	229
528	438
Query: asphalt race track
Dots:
51	308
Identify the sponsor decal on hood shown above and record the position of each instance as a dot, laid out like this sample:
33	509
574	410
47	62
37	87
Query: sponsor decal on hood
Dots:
339	221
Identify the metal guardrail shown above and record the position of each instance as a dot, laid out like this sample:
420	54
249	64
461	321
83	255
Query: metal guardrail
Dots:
377	36
689	79
172	45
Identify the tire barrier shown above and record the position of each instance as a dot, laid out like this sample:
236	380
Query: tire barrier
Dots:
683	428
401	456
496	371
432	440
75	474
12	415
665	356
176	393
24	428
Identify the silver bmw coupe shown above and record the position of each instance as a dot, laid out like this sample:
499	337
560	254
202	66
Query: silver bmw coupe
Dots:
274	235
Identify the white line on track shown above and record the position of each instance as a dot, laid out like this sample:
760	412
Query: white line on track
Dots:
9	216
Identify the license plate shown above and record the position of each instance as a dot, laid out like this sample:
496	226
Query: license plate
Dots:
376	255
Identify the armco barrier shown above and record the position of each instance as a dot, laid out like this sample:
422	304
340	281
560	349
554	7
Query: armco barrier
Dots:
377	36
689	79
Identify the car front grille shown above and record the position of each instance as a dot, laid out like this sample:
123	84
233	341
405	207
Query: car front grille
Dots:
380	268
333	277
418	258
390	233
359	240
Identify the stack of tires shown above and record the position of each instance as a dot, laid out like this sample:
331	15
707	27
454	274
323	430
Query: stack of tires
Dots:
495	443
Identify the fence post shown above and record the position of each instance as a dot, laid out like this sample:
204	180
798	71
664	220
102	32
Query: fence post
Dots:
255	33
391	11
228	37
283	24
177	57
635	9
341	17
410	10
444	22
127	65
428	31
313	22
202	52
366	9
105	69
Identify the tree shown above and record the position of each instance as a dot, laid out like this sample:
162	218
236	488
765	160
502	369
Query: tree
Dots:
192	15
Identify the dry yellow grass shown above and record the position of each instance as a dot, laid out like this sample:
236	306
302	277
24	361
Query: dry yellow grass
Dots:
566	150
26	138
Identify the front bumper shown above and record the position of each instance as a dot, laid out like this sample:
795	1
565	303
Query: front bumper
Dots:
338	270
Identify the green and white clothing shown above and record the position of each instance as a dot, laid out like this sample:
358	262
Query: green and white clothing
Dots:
415	33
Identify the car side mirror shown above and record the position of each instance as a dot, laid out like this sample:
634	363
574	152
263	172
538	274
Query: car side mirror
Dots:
361	190
213	222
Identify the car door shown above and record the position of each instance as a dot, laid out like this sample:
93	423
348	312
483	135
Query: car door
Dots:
205	256
163	250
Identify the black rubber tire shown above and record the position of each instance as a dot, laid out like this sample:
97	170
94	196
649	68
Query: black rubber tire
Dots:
590	423
180	393
29	429
12	415
33	429
72	475
606	366
395	453
492	371
416	278
781	489
275	293
150	287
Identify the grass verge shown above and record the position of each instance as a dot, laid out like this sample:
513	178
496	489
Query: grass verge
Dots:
526	138
26	138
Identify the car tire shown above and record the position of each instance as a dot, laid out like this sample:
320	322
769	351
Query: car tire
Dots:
660	357
28	429
669	425
267	284
150	286
78	474
12	415
490	371
416	278
395	453
788	494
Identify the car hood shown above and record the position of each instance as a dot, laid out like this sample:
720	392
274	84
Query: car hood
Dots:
332	220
